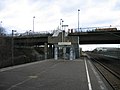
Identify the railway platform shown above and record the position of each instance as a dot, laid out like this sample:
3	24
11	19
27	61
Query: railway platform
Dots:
79	74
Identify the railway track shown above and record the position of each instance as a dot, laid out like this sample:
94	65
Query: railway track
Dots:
111	76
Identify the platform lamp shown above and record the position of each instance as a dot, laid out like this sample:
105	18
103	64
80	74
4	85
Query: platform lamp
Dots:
12	49
33	23
78	18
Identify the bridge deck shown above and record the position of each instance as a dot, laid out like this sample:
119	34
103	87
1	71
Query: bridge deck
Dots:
53	75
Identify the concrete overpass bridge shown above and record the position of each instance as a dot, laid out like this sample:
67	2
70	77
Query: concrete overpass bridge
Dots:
31	40
74	39
100	37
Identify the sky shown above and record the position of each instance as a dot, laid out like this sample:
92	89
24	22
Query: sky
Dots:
18	14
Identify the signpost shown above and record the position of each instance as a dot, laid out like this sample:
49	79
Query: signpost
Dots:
64	25
64	43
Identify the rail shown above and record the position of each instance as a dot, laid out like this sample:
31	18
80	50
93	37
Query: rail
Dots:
112	77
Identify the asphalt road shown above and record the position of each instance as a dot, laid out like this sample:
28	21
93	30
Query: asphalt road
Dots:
52	75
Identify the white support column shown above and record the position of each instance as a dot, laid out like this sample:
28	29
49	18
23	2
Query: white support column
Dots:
50	51
71	53
64	52
74	54
56	53
45	50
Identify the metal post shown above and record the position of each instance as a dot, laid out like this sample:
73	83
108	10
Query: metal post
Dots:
12	49
71	53
33	23
50	51
1	23
64	52
45	50
61	27
60	24
56	53
62	31
78	19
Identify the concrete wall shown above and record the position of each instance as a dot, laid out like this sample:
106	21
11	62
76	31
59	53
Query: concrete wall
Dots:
55	40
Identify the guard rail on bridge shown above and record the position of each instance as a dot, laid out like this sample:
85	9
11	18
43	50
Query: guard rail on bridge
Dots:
101	37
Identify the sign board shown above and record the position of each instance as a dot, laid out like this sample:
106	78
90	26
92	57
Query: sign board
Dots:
64	25
64	43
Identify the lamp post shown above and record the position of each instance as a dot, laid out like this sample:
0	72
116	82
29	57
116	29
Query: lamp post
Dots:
62	31
12	49
33	23
1	23
61	27
61	23
78	18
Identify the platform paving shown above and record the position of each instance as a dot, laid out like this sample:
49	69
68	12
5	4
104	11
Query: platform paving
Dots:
53	75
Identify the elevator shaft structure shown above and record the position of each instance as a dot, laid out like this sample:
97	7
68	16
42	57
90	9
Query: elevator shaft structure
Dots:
65	47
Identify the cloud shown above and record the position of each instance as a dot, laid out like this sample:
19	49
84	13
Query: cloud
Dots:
2	4
18	14
101	14
117	5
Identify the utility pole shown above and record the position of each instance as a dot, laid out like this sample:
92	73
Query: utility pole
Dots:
33	23
60	24
78	18
61	27
12	49
1	23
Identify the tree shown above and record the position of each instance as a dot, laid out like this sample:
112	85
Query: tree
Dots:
2	31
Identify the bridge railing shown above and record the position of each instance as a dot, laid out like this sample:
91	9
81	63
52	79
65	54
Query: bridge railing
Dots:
93	29
74	30
32	34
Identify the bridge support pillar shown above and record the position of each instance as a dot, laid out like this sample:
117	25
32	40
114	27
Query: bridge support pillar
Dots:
50	51
56	53
71	53
64	52
45	50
